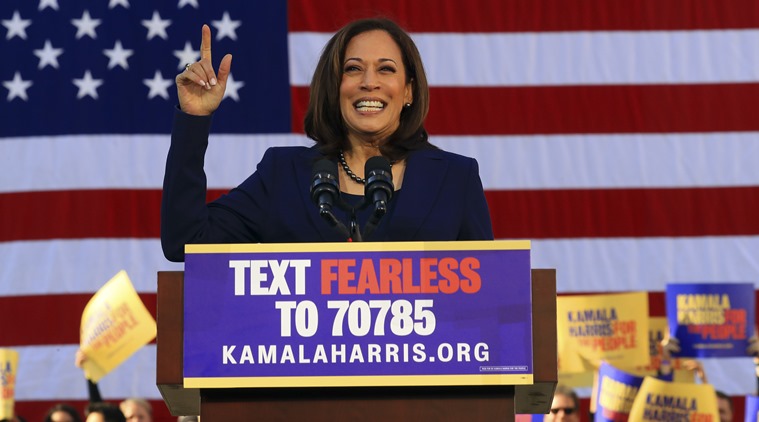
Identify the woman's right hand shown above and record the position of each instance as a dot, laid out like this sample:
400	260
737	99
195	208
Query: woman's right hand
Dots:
199	89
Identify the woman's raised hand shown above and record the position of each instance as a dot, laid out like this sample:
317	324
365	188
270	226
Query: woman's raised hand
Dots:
199	88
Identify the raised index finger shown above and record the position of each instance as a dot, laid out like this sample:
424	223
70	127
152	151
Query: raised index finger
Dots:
205	43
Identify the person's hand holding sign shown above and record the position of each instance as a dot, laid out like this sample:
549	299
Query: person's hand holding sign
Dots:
199	88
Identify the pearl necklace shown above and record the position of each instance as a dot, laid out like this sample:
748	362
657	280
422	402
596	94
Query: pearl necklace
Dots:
349	172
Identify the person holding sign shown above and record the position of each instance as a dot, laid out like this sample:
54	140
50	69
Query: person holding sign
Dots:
134	409
670	345
369	98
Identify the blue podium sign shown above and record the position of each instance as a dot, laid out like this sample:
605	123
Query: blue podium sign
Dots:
358	314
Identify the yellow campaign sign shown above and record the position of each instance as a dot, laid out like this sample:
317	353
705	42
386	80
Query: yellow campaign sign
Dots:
657	329
115	324
576	379
674	401
8	371
610	327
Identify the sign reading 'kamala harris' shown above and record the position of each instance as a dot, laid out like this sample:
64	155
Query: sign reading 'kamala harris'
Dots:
608	327
711	319
674	401
349	314
8	371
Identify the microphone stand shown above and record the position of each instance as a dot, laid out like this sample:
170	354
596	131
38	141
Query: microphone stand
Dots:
378	191
328	216
355	231
373	222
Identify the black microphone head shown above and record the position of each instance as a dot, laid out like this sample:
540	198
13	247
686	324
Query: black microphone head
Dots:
324	180
325	165
377	163
379	177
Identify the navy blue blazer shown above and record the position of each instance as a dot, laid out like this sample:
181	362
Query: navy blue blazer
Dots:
441	198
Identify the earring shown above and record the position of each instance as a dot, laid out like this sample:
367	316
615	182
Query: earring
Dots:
407	105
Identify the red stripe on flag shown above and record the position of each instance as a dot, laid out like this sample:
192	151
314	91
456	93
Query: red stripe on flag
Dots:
527	15
583	109
530	214
61	326
537	214
73	214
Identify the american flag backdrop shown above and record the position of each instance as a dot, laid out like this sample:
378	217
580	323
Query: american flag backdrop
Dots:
621	136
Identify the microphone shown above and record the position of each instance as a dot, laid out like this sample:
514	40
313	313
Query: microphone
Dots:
324	192
378	190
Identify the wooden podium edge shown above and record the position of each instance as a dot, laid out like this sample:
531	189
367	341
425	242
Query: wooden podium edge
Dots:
537	398
169	346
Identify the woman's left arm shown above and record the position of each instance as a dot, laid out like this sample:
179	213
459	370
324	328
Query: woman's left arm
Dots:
477	224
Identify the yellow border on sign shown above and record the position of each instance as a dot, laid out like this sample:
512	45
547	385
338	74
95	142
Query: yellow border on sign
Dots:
471	245
359	381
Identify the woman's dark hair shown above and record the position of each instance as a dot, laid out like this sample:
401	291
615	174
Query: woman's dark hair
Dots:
324	122
65	408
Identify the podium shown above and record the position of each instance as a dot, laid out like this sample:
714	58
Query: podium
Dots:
449	403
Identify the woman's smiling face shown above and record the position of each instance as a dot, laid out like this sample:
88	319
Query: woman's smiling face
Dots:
373	90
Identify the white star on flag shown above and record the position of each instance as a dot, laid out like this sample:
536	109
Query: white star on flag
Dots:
158	85
87	86
226	27
48	55
86	25
156	26
48	3
188	55
182	3
232	87
114	3
118	56
17	87
16	26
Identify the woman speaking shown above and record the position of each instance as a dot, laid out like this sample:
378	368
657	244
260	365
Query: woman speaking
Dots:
369	98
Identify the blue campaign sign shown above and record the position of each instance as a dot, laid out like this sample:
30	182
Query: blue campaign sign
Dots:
752	408
349	314
711	319
616	392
